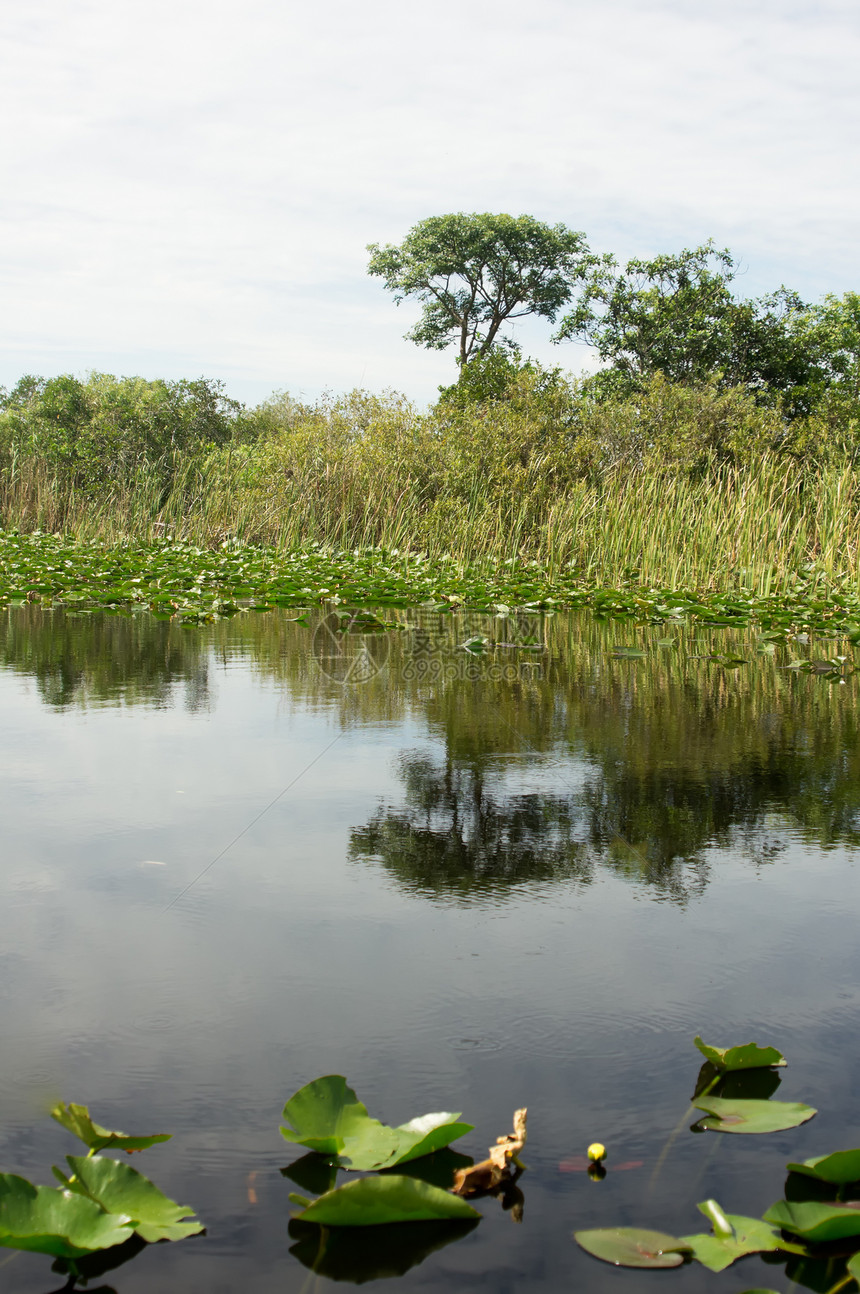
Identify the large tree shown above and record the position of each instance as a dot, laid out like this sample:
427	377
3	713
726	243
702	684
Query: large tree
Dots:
474	273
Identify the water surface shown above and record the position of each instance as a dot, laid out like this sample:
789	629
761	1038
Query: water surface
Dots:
240	856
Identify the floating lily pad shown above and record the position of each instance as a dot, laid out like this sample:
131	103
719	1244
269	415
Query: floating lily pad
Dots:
817	1220
47	1221
119	1188
748	1056
841	1167
751	1116
374	1201
853	1267
633	1246
733	1237
372	1145
379	1146
328	1117
76	1119
323	1113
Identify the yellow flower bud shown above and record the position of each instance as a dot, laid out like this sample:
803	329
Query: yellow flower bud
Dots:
596	1152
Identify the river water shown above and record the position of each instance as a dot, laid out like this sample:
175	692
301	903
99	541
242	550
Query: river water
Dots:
471	863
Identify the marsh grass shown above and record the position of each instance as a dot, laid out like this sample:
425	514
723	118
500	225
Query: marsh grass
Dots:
679	490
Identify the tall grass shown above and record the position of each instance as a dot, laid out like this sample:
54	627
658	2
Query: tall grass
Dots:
675	488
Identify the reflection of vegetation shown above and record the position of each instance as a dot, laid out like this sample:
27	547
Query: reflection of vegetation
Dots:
453	837
669	751
361	1254
84	659
676	753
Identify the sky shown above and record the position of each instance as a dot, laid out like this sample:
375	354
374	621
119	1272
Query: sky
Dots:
189	187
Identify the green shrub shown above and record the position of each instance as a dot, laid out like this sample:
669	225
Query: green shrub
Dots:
101	432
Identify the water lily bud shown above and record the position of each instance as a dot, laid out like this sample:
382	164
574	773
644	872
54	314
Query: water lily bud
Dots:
596	1152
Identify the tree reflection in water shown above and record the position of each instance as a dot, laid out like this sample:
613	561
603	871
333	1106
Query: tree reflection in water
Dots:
551	753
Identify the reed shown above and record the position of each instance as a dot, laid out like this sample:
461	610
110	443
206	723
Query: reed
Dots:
603	492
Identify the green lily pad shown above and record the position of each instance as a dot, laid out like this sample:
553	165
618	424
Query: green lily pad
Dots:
328	1117
839	1168
373	1201
323	1113
752	1116
817	1220
633	1246
47	1221
379	1146
119	1188
76	1119
733	1237
747	1056
853	1267
373	1145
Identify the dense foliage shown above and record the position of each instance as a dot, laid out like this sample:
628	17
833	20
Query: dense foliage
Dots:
677	316
105	430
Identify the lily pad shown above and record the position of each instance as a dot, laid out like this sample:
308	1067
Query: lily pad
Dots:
747	1056
119	1188
373	1201
327	1117
841	1167
47	1221
76	1119
379	1146
633	1246
817	1220
733	1237
323	1113
372	1145
751	1116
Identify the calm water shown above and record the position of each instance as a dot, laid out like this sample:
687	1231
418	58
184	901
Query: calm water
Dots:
238	857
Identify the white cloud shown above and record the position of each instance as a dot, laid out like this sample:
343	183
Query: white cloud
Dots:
190	187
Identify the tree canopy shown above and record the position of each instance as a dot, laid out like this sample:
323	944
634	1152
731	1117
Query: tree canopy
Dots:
474	273
677	315
671	314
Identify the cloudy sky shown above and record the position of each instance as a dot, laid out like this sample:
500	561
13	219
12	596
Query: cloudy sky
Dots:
189	186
